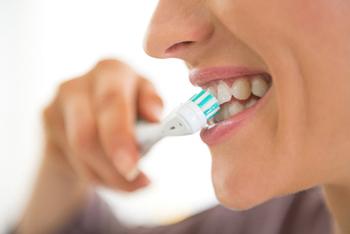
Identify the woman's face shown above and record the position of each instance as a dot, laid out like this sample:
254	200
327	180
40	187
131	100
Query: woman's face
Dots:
297	135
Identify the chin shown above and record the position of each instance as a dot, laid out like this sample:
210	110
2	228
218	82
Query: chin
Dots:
240	188
239	197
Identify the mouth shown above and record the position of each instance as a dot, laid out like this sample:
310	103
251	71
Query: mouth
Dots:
239	91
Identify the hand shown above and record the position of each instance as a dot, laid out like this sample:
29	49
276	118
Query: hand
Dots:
91	122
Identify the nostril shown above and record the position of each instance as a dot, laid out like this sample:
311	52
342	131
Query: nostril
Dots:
178	46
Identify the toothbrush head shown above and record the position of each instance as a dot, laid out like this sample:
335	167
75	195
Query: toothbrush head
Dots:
192	115
208	104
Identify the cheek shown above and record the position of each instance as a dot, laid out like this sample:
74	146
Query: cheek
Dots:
270	155
245	169
260	161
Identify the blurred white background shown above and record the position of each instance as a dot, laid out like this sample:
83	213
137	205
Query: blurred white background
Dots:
44	42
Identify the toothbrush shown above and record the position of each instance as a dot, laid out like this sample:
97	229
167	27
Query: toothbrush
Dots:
188	118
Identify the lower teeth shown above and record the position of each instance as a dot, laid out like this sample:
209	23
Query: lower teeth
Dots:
231	109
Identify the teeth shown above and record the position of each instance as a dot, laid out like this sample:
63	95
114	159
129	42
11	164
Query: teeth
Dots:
259	86
213	91
223	92
211	122
235	108
226	112
241	89
251	102
219	117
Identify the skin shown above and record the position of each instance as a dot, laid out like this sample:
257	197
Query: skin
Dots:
297	140
302	128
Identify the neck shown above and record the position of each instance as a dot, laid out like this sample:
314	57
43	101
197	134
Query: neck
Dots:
338	199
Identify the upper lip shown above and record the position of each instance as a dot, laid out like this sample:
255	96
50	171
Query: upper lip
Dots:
199	77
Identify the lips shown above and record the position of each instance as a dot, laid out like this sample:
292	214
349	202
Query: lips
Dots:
227	122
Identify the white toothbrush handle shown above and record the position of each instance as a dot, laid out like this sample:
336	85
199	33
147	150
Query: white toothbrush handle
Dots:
185	120
147	134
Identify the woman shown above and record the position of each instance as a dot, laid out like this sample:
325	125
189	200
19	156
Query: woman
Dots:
294	138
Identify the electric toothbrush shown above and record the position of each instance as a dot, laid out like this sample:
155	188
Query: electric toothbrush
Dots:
188	118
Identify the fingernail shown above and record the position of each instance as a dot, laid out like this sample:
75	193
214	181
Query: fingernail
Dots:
156	111
145	182
123	162
133	174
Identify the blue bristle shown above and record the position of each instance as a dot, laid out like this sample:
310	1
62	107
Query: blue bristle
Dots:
196	97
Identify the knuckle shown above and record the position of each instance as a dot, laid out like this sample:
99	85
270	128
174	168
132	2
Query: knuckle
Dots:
52	121
111	69
47	113
147	86
108	64
67	87
64	87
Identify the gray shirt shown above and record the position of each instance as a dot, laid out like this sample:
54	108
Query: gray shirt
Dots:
301	213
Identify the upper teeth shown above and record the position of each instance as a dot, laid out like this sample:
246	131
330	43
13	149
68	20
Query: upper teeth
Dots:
240	89
259	86
223	92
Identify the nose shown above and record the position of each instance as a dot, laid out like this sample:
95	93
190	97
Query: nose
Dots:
176	27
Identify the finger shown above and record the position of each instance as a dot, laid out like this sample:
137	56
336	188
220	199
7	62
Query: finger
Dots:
56	140
109	176
122	184
83	171
81	134
150	105
53	125
78	125
114	98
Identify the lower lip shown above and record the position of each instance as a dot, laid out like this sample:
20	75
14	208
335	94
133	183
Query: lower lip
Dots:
227	128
